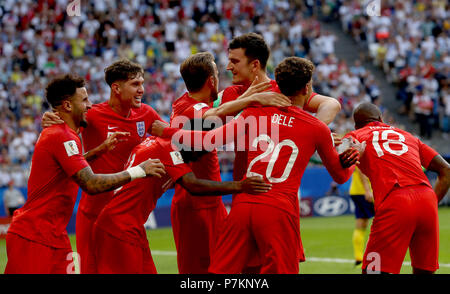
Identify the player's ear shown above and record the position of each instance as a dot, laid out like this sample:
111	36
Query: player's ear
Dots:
115	88
211	82
256	66
66	105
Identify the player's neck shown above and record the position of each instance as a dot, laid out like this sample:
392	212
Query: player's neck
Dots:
262	78
118	107
201	96
69	121
298	101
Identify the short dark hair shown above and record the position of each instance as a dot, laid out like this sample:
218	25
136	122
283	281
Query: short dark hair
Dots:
254	47
366	113
122	70
292	74
62	88
196	69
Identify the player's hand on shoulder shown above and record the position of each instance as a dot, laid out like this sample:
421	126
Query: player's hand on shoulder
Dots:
158	128
254	88
360	146
115	138
255	185
273	99
349	157
153	167
50	118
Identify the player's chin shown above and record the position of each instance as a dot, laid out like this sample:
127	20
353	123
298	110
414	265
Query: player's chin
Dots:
137	103
236	80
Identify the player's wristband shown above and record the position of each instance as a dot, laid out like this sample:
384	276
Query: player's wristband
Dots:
136	172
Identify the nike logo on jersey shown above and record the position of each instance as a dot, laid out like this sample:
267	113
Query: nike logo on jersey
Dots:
112	128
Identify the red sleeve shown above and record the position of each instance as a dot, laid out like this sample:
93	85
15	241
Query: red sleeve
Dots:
229	94
173	162
309	100
67	151
208	140
426	154
329	155
153	116
178	170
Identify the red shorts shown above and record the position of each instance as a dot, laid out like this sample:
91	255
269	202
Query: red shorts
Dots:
406	218
28	257
85	247
115	256
249	227
195	233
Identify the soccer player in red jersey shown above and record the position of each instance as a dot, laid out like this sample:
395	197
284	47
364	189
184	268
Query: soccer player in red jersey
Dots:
281	141
405	203
37	240
123	113
195	220
119	233
248	55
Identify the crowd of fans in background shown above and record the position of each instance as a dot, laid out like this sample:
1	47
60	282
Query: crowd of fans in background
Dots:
410	41
38	40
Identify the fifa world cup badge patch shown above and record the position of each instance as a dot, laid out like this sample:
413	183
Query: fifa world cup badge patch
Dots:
176	157
71	148
199	106
140	126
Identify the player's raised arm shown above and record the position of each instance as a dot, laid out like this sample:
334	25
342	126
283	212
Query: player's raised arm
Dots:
207	140
264	98
325	107
439	165
199	187
98	183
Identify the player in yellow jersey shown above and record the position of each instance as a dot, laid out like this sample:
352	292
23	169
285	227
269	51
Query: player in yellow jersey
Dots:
362	196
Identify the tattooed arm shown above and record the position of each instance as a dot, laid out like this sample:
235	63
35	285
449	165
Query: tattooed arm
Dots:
98	183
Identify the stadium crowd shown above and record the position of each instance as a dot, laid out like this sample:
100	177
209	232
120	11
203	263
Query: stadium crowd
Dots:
410	41
38	40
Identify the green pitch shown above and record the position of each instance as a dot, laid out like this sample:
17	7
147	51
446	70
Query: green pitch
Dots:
327	244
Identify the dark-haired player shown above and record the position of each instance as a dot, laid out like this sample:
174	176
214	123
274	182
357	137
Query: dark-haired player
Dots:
37	240
248	55
123	112
195	220
269	223
405	203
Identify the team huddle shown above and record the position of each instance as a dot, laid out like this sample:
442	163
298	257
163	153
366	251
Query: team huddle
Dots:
128	157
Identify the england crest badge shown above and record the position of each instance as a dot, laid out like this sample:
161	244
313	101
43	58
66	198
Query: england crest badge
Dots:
140	125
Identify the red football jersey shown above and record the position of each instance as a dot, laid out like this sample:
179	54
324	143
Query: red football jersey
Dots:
280	154
125	215
102	121
51	191
393	157
281	142
207	166
230	94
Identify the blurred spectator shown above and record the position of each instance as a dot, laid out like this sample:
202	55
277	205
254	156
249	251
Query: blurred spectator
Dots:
410	41
12	199
423	107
